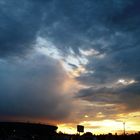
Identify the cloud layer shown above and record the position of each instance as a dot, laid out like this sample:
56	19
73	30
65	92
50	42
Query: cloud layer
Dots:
108	75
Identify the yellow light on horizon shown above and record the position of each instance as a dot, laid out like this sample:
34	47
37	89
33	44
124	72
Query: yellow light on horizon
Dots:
86	116
102	127
66	128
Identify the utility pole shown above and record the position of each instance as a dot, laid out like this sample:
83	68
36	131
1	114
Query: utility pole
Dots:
124	128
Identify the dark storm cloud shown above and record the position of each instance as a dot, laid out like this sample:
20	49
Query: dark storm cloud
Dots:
118	42
68	24
20	22
79	23
29	88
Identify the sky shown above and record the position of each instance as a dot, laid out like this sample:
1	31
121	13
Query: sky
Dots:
69	62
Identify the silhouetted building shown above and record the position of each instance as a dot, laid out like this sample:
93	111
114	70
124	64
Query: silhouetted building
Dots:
26	130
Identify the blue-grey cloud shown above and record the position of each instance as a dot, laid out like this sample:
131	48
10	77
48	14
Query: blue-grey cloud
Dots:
33	88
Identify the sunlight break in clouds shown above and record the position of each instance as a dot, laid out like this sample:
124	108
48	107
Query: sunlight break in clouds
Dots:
126	81
72	63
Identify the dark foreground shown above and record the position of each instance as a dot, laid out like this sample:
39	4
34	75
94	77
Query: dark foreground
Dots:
29	131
